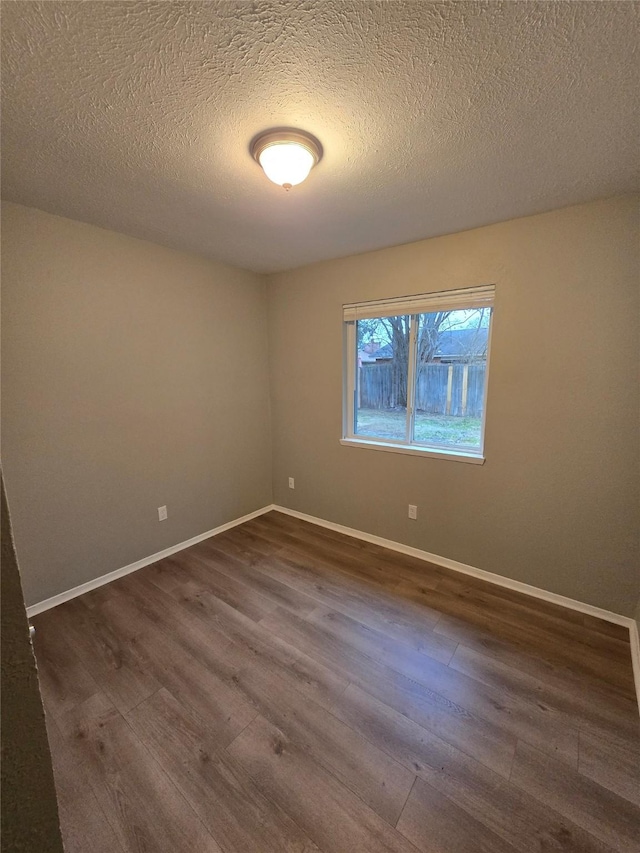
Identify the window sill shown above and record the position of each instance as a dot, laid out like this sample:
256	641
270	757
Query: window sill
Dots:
453	455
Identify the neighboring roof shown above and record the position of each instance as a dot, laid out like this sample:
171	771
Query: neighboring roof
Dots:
451	344
462	342
384	352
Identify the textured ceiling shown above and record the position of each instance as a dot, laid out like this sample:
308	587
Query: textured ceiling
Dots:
434	117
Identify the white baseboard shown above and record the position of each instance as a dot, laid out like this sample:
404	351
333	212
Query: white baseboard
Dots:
445	562
490	577
48	603
634	638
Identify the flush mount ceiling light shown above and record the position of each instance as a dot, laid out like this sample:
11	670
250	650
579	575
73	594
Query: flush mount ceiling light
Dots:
286	156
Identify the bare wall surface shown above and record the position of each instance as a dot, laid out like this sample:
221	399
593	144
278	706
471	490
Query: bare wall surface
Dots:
133	377
556	502
29	805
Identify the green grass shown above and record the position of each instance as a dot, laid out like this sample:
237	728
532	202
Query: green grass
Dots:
433	429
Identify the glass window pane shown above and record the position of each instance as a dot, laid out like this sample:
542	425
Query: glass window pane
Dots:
381	377
451	363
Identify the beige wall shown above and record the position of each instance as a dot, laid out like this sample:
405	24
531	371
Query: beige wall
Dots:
133	376
136	376
556	503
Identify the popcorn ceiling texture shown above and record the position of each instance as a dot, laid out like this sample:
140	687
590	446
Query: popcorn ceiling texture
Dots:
434	117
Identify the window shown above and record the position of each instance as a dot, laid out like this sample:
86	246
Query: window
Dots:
416	373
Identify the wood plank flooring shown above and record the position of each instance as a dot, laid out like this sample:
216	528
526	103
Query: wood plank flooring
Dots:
284	688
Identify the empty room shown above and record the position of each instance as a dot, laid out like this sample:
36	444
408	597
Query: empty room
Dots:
320	426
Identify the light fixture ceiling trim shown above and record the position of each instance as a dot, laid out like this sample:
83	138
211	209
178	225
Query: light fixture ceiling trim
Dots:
285	137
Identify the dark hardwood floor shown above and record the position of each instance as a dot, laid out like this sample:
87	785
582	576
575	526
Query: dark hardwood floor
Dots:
287	689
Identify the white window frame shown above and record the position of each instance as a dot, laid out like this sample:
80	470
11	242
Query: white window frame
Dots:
412	306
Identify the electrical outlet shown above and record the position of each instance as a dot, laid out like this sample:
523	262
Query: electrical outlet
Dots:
162	513
413	511
292	483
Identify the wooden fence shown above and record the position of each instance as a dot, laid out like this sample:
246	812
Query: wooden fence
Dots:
442	389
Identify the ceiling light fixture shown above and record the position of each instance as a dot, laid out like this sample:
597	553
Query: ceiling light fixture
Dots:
286	156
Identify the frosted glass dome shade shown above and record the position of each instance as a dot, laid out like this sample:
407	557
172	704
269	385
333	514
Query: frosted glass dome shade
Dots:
286	155
286	163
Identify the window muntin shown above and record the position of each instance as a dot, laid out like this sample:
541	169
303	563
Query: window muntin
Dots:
418	380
